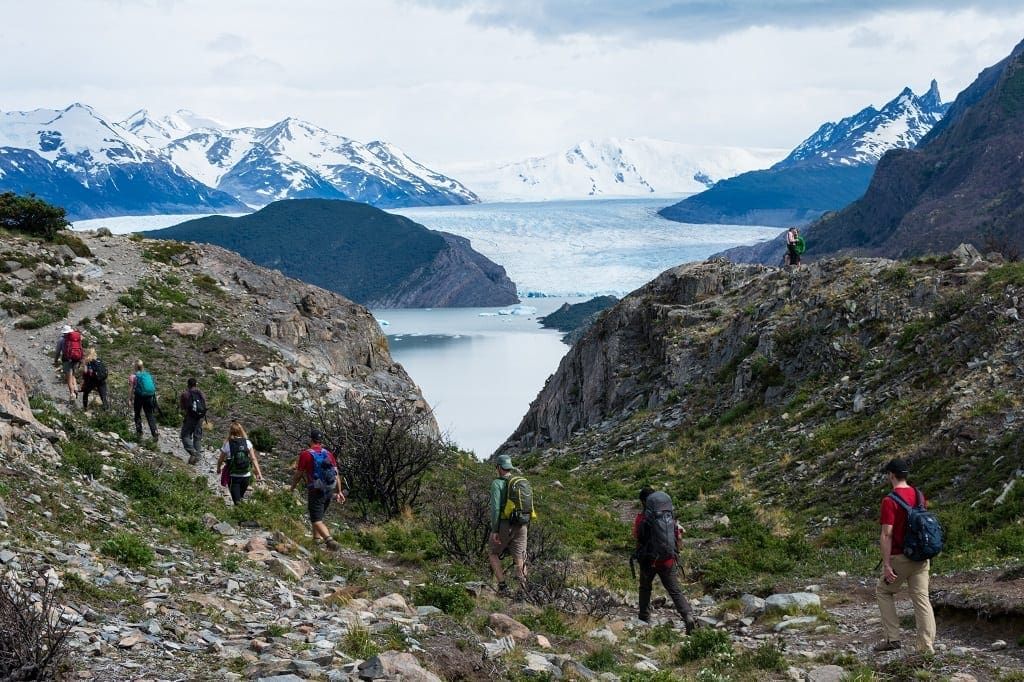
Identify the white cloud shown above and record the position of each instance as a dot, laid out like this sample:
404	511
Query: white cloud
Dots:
449	87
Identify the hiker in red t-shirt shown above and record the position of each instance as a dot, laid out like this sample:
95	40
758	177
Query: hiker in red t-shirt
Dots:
69	354
897	568
318	498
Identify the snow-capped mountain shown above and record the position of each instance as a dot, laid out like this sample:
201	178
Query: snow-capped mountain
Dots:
825	172
295	159
185	163
864	137
92	167
616	167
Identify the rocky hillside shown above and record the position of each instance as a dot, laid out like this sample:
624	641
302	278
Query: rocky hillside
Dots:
364	253
155	577
840	366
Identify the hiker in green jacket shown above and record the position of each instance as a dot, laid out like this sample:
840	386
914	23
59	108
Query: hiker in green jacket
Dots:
505	535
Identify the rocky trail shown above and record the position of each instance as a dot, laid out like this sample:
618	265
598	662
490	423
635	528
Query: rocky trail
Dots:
259	608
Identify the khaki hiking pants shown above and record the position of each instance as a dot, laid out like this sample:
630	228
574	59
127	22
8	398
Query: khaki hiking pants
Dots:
915	574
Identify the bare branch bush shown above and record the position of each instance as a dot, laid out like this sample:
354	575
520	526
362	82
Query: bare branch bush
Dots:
385	446
32	636
461	522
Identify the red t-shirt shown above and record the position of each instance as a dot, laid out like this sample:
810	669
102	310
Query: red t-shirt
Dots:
305	464
636	534
893	515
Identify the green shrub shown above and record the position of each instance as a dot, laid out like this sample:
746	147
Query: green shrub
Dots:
601	659
164	251
81	455
550	621
111	422
767	656
72	293
704	642
262	439
31	215
129	549
358	643
73	242
452	599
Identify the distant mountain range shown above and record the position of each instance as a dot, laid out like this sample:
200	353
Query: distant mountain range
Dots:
184	163
615	168
825	172
370	256
963	183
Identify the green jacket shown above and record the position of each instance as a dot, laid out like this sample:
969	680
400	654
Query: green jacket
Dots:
498	486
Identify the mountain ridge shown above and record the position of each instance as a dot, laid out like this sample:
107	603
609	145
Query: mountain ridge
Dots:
827	171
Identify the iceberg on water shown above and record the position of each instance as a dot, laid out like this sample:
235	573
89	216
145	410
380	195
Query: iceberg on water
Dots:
519	310
384	323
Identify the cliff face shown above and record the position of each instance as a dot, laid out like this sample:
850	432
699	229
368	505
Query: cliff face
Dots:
457	276
962	184
711	339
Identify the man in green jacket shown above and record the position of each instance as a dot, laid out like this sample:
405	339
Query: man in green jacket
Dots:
505	535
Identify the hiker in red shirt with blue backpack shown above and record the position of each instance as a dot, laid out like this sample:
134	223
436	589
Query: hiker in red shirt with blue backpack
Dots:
319	468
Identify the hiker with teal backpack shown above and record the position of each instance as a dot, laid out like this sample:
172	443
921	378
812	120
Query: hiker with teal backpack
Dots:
143	390
795	246
511	513
319	469
238	460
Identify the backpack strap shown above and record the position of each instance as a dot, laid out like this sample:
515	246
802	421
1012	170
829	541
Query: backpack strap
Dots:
901	502
920	499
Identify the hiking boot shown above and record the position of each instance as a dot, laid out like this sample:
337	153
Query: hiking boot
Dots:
332	544
193	458
689	623
887	645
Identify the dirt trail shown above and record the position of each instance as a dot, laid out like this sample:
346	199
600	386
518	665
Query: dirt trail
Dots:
122	269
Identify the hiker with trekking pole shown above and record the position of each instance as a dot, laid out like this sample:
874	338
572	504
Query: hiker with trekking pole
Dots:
657	550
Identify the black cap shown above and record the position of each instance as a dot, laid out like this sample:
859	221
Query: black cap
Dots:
315	435
645	492
897	466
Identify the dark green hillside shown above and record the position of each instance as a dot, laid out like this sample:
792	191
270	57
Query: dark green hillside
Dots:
777	196
354	249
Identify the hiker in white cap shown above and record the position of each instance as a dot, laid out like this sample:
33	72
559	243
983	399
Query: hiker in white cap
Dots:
505	535
69	355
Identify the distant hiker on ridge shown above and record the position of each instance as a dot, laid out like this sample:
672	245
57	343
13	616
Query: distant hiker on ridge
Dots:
319	468
192	402
94	377
511	512
657	547
897	567
143	391
69	355
792	251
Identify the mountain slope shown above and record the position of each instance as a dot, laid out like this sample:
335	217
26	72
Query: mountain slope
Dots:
615	167
373	257
825	172
49	152
963	183
293	159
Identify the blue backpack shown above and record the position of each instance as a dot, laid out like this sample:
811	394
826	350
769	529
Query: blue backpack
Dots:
144	384
325	474
923	536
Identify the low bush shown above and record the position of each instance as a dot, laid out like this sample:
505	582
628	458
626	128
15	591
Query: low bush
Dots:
704	643
33	640
452	599
81	454
129	549
262	439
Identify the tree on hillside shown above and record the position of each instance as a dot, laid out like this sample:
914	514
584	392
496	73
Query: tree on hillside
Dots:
31	215
385	446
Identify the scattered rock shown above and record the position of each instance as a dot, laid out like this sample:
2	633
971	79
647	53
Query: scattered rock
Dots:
791	623
192	330
795	600
826	673
499	647
236	361
505	625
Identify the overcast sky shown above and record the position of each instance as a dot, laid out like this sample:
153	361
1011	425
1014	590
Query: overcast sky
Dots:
461	81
